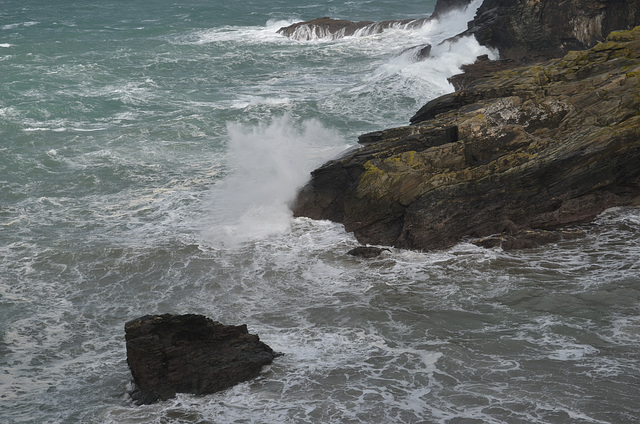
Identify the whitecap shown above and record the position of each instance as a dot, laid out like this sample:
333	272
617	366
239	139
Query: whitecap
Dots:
19	24
573	352
245	35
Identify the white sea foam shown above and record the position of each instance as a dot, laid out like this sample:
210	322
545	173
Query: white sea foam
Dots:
448	25
573	352
423	80
624	331
400	82
100	227
19	24
455	20
377	73
240	34
267	164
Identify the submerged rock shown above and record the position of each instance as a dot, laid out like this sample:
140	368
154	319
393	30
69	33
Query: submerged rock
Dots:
526	239
170	354
418	53
367	251
531	148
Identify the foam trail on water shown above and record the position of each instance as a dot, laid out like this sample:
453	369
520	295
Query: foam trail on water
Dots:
245	35
267	164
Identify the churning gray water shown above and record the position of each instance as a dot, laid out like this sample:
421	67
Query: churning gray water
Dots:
147	152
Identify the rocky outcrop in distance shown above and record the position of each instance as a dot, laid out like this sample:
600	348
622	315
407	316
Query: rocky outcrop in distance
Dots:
337	28
170	354
328	28
512	156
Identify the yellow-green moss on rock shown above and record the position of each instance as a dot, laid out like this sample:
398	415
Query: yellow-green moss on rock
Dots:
530	148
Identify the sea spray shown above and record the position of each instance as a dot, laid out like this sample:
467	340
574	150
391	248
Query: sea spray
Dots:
110	227
265	162
448	54
403	75
452	22
266	165
401	81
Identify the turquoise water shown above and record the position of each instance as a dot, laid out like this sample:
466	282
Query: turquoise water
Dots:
147	153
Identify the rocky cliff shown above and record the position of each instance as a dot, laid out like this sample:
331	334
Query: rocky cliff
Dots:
531	148
530	30
526	31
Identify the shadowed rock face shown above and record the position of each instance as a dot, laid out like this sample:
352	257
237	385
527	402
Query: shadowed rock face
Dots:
529	30
170	354
526	31
531	148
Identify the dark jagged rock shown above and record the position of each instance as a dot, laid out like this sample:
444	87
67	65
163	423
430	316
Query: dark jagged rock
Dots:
527	30
526	239
322	28
531	148
367	252
482	67
418	53
338	28
170	354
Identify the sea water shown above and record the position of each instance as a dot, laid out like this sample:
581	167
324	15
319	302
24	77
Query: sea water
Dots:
147	154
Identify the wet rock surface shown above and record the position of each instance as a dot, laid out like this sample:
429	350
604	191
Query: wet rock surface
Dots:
524	32
367	252
326	27
170	354
527	31
529	148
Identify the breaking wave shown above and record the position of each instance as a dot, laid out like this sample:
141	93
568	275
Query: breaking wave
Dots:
321	30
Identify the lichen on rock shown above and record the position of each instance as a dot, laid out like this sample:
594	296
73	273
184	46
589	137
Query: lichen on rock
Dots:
532	148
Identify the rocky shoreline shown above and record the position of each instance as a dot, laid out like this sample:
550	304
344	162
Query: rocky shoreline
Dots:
514	155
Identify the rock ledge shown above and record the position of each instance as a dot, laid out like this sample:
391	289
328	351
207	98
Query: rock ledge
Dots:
531	148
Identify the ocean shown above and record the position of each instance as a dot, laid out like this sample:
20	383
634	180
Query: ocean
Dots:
147	154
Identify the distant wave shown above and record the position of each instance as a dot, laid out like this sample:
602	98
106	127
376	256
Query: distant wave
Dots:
331	29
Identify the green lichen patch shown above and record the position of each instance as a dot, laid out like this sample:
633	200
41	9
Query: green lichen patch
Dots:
623	36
